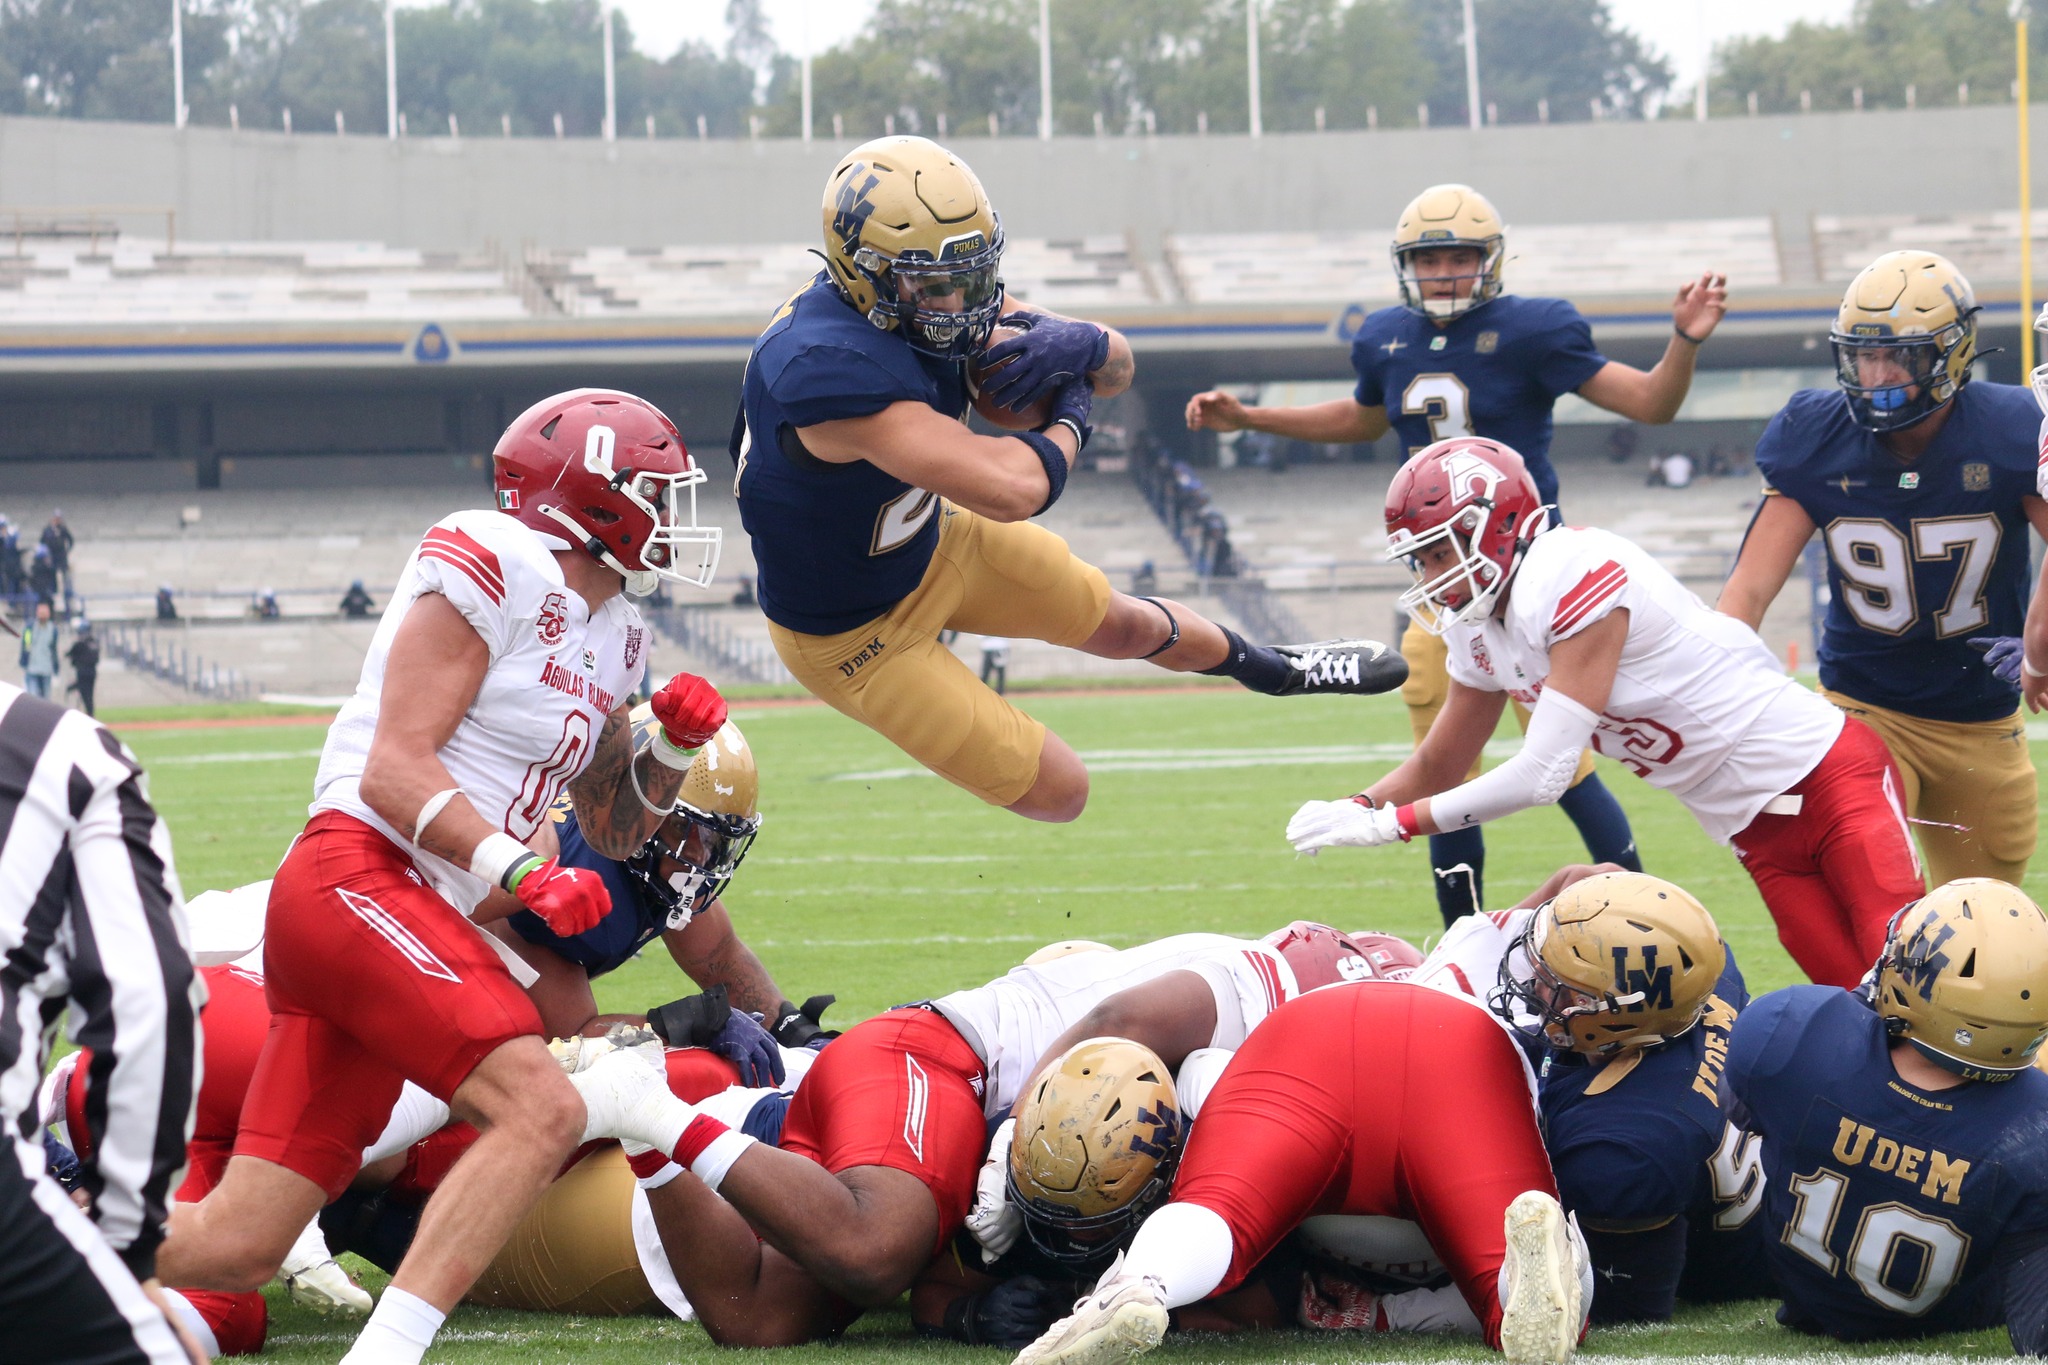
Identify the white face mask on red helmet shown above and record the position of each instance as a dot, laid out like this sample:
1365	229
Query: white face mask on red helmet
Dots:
1475	496
608	473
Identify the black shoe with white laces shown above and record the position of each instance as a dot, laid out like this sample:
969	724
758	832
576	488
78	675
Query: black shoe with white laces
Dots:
1360	668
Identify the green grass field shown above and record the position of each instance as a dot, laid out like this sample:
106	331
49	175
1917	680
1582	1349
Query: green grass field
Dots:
884	886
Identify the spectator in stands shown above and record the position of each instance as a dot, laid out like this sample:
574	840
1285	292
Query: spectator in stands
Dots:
39	652
1677	469
10	559
84	655
995	662
42	575
166	609
58	540
745	596
1145	582
265	606
356	603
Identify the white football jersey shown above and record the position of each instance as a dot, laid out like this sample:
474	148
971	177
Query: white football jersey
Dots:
1466	961
556	673
1699	707
1014	1019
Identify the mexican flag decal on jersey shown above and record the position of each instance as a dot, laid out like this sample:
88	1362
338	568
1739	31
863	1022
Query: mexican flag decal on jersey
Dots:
508	500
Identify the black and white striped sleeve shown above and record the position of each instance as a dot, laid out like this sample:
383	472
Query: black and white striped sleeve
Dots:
90	915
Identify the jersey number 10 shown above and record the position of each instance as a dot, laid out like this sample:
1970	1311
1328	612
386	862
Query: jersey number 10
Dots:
1875	1262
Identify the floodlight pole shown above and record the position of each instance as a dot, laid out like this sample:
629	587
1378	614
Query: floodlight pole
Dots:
1045	70
177	63
611	81
1699	91
2026	219
1471	67
807	72
391	69
1251	53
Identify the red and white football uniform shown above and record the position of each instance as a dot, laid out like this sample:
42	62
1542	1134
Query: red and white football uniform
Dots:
376	975
913	1089
1699	707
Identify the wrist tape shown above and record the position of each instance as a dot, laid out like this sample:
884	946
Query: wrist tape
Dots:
503	861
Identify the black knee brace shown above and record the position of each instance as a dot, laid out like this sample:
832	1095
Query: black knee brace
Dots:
1172	629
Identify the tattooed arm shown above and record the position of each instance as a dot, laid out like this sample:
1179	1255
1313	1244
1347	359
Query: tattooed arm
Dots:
711	954
613	819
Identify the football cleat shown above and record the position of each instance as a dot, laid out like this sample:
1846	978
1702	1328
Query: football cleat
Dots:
317	1281
626	1096
1542	1283
1359	668
580	1054
1116	1322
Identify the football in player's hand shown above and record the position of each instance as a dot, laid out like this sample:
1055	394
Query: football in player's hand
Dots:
979	377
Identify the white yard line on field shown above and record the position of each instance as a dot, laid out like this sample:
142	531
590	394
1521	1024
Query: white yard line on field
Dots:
240	756
1196	760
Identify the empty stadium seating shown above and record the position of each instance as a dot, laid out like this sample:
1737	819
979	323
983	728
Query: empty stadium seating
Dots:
1984	246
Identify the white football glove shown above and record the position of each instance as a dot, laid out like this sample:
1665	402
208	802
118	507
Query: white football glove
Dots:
994	1220
1341	824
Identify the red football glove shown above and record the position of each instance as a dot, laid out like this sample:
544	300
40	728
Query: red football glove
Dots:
689	709
570	900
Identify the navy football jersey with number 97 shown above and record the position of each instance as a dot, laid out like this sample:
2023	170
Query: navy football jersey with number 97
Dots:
1494	371
1921	557
1888	1210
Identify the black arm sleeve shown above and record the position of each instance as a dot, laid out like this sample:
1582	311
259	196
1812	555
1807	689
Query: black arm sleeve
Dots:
1635	1274
2026	1297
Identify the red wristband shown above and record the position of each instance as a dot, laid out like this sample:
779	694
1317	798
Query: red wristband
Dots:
648	1163
1405	822
702	1132
1365	799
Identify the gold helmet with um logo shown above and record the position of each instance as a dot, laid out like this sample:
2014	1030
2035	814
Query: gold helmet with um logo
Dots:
1449	216
1904	338
1094	1149
1964	978
690	857
913	244
1616	962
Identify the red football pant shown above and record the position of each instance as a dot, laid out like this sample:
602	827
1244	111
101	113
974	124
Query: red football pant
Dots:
901	1090
374	980
1375	1098
1834	874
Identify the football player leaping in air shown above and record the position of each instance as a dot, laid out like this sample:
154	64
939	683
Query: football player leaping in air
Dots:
1924	482
878	519
1612	653
1459	357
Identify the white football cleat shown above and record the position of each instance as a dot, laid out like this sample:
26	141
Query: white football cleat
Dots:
1542	1283
579	1054
1114	1323
317	1281
626	1096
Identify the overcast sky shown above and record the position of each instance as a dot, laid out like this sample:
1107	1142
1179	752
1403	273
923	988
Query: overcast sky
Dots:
1673	27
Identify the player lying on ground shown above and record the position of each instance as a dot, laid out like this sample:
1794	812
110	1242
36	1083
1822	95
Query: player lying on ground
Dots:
879	520
1612	653
1626	993
1924	482
1372	1098
1906	1183
510	646
1459	356
882	1145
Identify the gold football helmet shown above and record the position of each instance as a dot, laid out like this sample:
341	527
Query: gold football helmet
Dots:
1449	216
1904	338
716	817
1095	1147
912	243
1964	978
1616	962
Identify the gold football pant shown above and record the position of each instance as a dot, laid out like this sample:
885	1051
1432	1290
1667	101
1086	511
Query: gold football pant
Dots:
1974	774
573	1252
893	676
1429	683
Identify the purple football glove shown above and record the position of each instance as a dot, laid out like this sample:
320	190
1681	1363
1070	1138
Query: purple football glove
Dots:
2003	653
1055	351
748	1046
1074	403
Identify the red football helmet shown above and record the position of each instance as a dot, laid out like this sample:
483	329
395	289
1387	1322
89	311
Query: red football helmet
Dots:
1475	496
610	471
1393	958
1320	955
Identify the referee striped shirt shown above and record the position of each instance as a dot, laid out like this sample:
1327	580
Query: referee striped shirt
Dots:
91	918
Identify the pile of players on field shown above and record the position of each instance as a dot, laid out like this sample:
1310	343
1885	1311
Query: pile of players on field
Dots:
1566	1113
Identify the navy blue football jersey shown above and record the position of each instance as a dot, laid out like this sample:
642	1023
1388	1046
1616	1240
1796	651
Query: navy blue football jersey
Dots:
835	545
1888	1210
1494	371
634	921
1920	557
1657	1146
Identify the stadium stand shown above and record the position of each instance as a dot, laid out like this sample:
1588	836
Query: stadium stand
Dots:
1984	246
130	279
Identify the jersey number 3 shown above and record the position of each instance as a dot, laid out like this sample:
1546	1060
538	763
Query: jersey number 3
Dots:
1876	559
1444	400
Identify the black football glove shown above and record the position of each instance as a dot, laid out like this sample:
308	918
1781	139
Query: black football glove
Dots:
801	1026
1012	1315
692	1021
